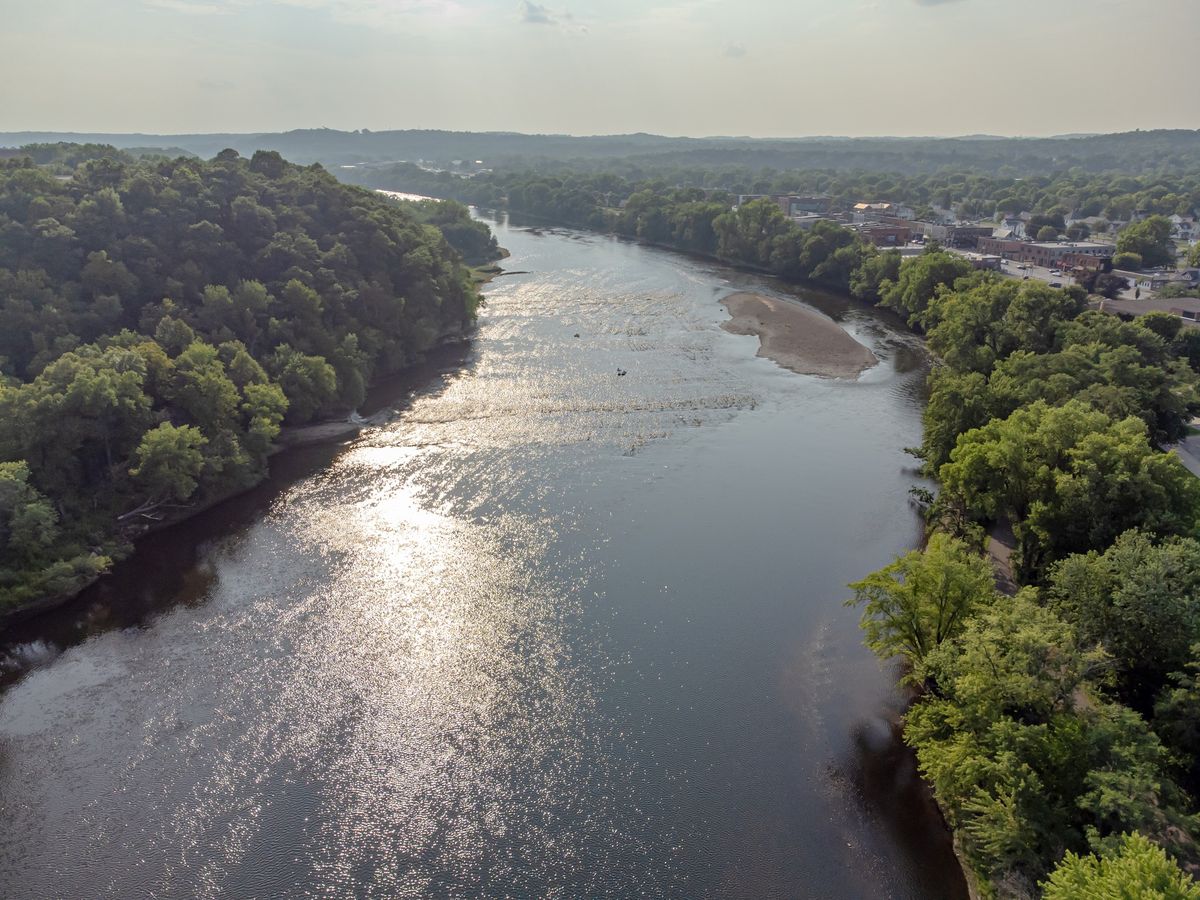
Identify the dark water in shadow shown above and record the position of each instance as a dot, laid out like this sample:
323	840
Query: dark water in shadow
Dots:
547	632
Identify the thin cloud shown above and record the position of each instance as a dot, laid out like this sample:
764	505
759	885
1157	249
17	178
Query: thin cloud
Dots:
188	7
536	14
936	2
735	50
561	19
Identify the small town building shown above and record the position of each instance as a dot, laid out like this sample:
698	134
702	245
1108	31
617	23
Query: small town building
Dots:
1045	253
1153	279
960	235
807	220
882	235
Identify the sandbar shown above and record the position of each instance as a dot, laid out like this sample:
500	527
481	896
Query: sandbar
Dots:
797	338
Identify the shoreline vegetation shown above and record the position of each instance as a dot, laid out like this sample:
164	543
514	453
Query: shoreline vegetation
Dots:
797	338
168	325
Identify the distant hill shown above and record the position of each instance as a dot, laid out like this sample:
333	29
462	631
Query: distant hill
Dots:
1133	152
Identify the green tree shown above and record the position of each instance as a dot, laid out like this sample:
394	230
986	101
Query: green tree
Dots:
263	410
1136	869
1141	599
1177	717
867	281
1128	261
972	328
202	389
920	279
958	402
1070	479
28	521
308	382
923	598
1150	239
1024	756
168	462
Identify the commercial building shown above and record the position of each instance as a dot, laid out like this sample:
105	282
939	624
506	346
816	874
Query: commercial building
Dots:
961	236
1048	253
795	205
886	235
807	220
792	205
984	261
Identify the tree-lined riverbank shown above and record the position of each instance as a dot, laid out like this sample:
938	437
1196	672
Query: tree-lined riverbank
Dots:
163	320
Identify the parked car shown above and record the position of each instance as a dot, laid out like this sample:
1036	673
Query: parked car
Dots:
1056	284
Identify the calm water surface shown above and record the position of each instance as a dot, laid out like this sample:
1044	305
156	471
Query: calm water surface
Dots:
543	631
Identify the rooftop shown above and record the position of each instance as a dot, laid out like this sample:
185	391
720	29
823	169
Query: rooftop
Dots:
1074	245
1151	304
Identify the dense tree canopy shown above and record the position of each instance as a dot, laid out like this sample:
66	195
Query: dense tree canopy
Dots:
1071	479
159	321
1025	756
1137	868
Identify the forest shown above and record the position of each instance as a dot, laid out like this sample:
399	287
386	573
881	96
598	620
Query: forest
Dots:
1162	150
161	321
1055	721
593	199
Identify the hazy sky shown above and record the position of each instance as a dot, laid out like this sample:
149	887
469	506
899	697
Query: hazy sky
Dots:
696	67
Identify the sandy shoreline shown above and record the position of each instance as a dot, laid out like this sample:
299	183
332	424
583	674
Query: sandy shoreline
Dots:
797	338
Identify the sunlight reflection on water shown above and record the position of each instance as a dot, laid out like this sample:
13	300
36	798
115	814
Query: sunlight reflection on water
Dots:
550	631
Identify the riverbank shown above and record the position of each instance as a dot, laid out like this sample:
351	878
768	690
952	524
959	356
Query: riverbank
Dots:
799	339
290	438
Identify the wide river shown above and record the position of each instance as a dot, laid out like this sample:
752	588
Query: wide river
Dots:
542	630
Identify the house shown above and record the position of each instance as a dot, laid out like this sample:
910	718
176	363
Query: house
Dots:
1015	225
984	261
944	216
1184	228
1153	279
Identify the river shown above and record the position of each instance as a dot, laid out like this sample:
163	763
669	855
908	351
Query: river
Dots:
542	631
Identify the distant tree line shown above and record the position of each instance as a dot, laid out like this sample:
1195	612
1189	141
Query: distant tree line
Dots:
161	320
648	154
590	198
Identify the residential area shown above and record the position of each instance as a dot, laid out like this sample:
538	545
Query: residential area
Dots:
1082	250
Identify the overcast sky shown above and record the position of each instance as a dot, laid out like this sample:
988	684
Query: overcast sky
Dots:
694	67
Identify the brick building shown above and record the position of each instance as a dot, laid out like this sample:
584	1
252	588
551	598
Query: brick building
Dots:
886	235
1051	254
